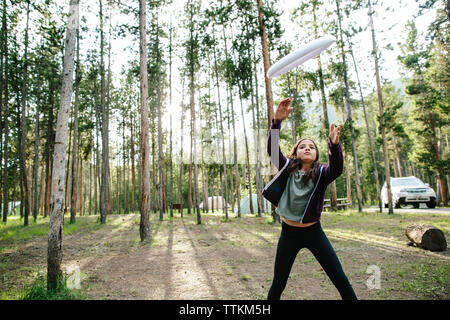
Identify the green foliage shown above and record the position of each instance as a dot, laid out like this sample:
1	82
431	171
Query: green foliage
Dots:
427	89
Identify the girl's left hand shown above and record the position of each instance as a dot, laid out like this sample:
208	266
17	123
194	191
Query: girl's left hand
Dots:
334	134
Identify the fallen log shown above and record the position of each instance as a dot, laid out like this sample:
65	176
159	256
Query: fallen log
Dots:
426	236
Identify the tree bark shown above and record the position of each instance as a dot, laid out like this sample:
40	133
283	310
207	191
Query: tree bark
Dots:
426	236
74	189
104	188
144	228
347	102
56	232
369	136
5	115
23	123
266	61
333	192
440	172
133	175
387	170
225	195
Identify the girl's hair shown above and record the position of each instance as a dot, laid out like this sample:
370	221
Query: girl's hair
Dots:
296	163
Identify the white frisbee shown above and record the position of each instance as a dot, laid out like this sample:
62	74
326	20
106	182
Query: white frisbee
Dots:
299	56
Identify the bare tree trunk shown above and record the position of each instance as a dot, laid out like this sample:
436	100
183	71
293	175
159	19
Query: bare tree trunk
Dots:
36	161
387	170
258	145
144	228
160	134
266	61
347	102
170	103
2	37
68	177
440	172
74	191
95	188
90	186
225	209
42	191
104	188
194	145
180	186
23	136
80	188
5	115
333	192
133	176
372	150
55	236
247	158
236	169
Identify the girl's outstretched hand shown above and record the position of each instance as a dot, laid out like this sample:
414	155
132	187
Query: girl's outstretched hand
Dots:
283	110
334	134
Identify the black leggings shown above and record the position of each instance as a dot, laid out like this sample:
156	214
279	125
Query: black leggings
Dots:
293	239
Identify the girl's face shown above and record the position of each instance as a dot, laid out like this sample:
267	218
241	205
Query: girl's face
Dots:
306	151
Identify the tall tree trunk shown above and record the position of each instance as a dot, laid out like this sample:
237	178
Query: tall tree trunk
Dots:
258	138
68	177
48	147
170	103
90	186
104	188
74	191
440	172
180	186
55	236
247	158
236	168
194	145
387	170
80	188
36	163
171	169
160	137
126	209
95	188
369	136
2	55
23	144
144	228
133	175
225	209
326	124
42	191
266	61
5	115
347	102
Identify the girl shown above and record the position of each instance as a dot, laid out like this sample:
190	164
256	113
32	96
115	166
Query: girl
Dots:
298	191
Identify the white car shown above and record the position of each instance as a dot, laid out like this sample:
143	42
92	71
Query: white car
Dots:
409	190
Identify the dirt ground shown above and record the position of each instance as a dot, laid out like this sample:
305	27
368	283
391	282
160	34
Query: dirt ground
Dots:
234	259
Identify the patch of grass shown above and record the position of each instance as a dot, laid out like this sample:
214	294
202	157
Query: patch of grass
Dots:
38	291
429	280
14	230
